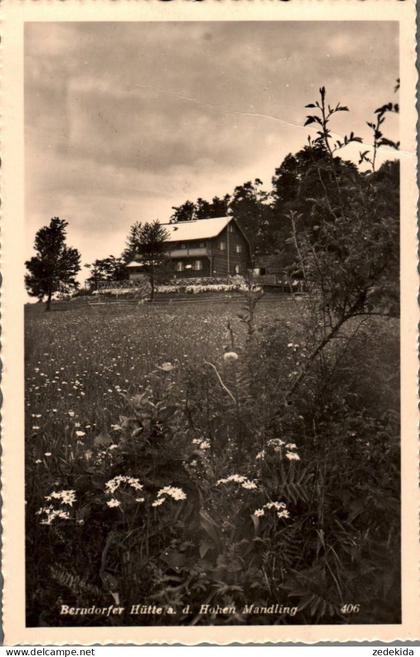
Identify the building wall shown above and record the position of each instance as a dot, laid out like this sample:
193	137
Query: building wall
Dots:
230	252
189	269
227	254
136	274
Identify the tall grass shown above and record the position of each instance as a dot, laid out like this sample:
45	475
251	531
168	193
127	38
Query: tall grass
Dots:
164	439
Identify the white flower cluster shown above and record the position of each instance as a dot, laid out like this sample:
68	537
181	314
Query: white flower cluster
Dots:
166	367
113	502
52	514
244	482
277	446
175	493
202	444
121	291
279	507
113	484
230	357
197	288
64	496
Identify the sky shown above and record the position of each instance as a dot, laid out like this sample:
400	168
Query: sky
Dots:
123	121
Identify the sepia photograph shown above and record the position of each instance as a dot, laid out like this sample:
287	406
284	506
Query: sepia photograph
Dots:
212	323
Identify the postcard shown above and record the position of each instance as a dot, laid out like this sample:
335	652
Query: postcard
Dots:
209	322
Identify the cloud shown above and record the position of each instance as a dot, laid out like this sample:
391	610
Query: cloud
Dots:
125	120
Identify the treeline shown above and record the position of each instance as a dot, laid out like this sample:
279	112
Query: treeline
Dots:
313	192
303	184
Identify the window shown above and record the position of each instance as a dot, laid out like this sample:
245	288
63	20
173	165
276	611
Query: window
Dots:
202	245
238	248
180	265
230	228
237	269
222	246
198	265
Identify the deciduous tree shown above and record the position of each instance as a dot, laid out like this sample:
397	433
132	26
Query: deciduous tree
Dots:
147	244
55	266
106	269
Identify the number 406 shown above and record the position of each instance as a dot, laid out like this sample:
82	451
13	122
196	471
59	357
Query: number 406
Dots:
350	609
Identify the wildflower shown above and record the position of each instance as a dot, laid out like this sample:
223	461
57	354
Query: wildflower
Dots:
38	461
230	357
71	413
177	494
279	507
64	496
244	482
249	485
47	454
79	434
113	484
292	456
158	502
291	446
50	514
205	445
275	443
275	505
167	367
35	428
113	502
261	455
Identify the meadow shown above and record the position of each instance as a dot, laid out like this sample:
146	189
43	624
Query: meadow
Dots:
162	465
81	363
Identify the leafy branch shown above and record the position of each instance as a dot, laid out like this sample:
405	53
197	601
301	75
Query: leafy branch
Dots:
322	118
378	137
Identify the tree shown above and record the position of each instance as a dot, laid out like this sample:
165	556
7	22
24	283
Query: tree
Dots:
184	212
55	266
349	260
201	209
306	184
250	208
218	207
106	269
147	244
